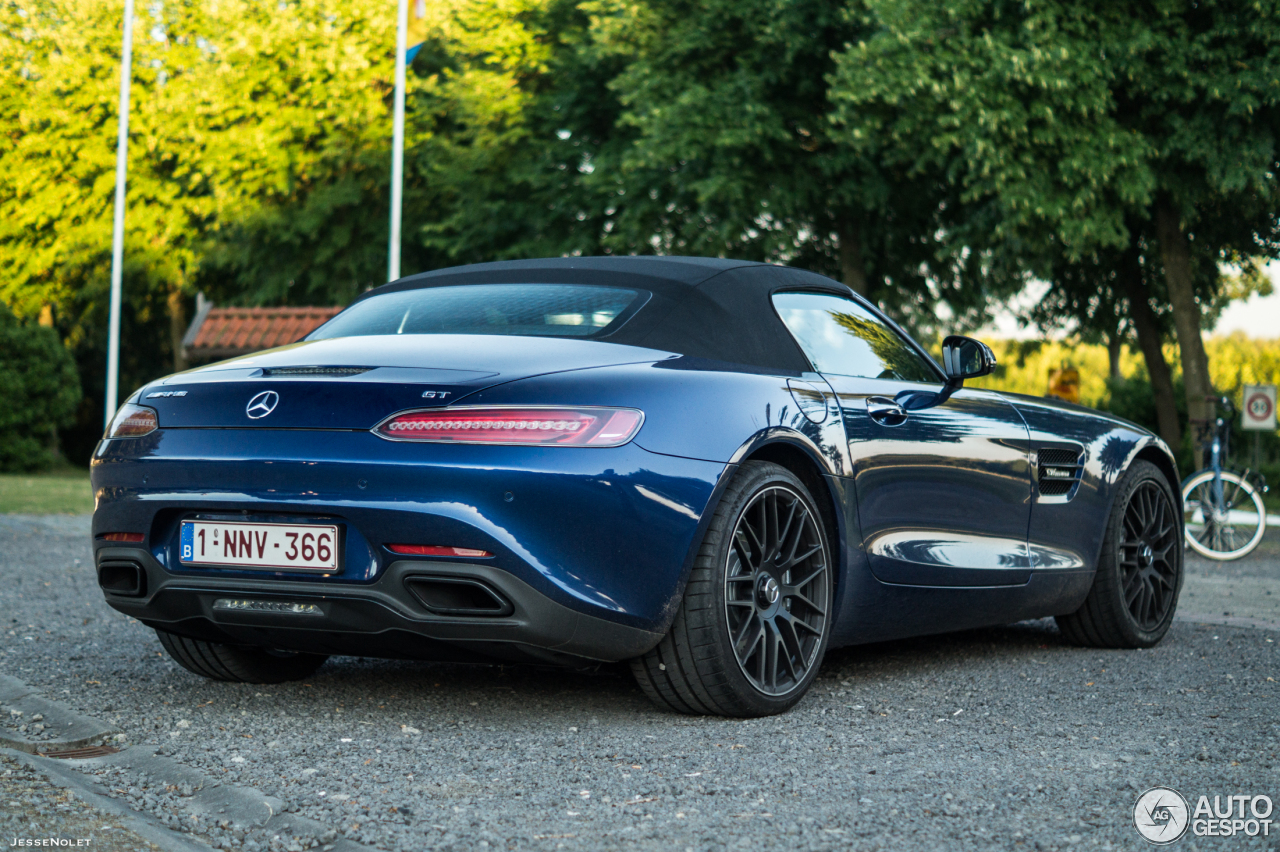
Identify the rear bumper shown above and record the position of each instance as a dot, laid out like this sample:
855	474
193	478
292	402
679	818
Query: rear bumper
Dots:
381	619
590	547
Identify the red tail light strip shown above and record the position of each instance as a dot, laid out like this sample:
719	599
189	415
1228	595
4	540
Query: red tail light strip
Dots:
435	550
520	425
131	537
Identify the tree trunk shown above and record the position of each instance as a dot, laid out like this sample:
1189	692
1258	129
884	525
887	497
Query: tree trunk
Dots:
1175	253
1115	344
1147	328
853	269
177	326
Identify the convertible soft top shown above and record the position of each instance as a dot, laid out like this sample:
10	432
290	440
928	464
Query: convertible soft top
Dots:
699	307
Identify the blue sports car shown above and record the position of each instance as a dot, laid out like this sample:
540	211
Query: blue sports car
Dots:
715	470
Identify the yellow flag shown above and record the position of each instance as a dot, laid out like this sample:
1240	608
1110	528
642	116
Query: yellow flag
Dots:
417	22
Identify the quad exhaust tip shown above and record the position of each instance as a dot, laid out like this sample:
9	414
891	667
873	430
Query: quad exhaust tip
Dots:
458	597
122	577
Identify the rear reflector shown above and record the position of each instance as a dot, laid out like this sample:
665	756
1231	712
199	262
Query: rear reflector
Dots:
435	550
133	421
133	537
533	426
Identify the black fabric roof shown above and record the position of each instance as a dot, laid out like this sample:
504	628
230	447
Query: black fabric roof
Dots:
701	307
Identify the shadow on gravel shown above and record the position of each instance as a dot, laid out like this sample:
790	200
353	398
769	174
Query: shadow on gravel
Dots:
609	688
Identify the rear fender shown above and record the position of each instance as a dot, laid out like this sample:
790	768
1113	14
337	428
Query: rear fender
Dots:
712	411
699	409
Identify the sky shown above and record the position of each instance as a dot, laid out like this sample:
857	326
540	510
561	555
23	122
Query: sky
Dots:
1257	317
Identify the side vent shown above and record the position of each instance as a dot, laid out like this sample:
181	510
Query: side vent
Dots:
1059	471
314	371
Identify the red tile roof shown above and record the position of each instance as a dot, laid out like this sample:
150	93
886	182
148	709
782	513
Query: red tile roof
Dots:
231	332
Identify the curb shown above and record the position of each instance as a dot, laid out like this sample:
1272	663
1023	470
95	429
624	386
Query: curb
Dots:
73	729
142	824
246	808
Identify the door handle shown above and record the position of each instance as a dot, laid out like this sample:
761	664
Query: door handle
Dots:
885	411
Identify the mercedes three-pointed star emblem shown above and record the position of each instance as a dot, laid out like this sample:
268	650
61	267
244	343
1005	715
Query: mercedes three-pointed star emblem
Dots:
262	405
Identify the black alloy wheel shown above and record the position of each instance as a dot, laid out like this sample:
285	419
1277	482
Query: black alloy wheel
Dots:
777	570
1139	573
1149	573
756	616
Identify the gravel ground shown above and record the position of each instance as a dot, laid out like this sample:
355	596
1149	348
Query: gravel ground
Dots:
1262	563
32	809
1247	590
1004	737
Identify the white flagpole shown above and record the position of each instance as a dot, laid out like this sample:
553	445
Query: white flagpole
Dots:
117	238
397	144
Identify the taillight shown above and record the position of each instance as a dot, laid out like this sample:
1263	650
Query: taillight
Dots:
130	537
565	427
132	421
436	550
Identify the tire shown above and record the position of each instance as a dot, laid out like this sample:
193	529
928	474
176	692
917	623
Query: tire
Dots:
1139	576
779	611
238	665
1236	492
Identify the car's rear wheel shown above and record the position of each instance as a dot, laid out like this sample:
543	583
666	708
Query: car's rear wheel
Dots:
1139	576
240	665
753	626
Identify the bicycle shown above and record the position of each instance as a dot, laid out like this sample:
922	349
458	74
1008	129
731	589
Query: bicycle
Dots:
1215	528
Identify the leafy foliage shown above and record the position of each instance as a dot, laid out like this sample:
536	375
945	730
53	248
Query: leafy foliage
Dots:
934	156
1094	128
39	393
734	153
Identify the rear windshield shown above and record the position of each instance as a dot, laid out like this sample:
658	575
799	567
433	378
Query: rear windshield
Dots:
535	310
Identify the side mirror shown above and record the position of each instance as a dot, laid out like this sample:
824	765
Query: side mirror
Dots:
965	358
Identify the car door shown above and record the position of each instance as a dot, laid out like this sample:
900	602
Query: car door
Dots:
944	492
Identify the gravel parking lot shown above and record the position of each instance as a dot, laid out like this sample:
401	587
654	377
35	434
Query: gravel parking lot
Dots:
994	738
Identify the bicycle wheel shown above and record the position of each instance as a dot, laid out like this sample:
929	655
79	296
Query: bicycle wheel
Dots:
1222	532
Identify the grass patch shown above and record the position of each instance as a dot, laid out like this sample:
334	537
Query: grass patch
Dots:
64	491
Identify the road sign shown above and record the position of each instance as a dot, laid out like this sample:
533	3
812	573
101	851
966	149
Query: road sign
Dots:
1260	407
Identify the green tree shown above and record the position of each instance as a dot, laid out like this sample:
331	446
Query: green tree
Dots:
61	69
731	152
259	158
1074	118
295	129
511	177
40	393
1105	295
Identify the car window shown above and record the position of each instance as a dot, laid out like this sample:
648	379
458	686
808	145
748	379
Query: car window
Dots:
843	338
536	310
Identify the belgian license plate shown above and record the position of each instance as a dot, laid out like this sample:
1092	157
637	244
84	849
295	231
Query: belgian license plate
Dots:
292	547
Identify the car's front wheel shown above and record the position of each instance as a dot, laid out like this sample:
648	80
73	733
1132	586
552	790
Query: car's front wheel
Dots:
240	665
753	625
1135	589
